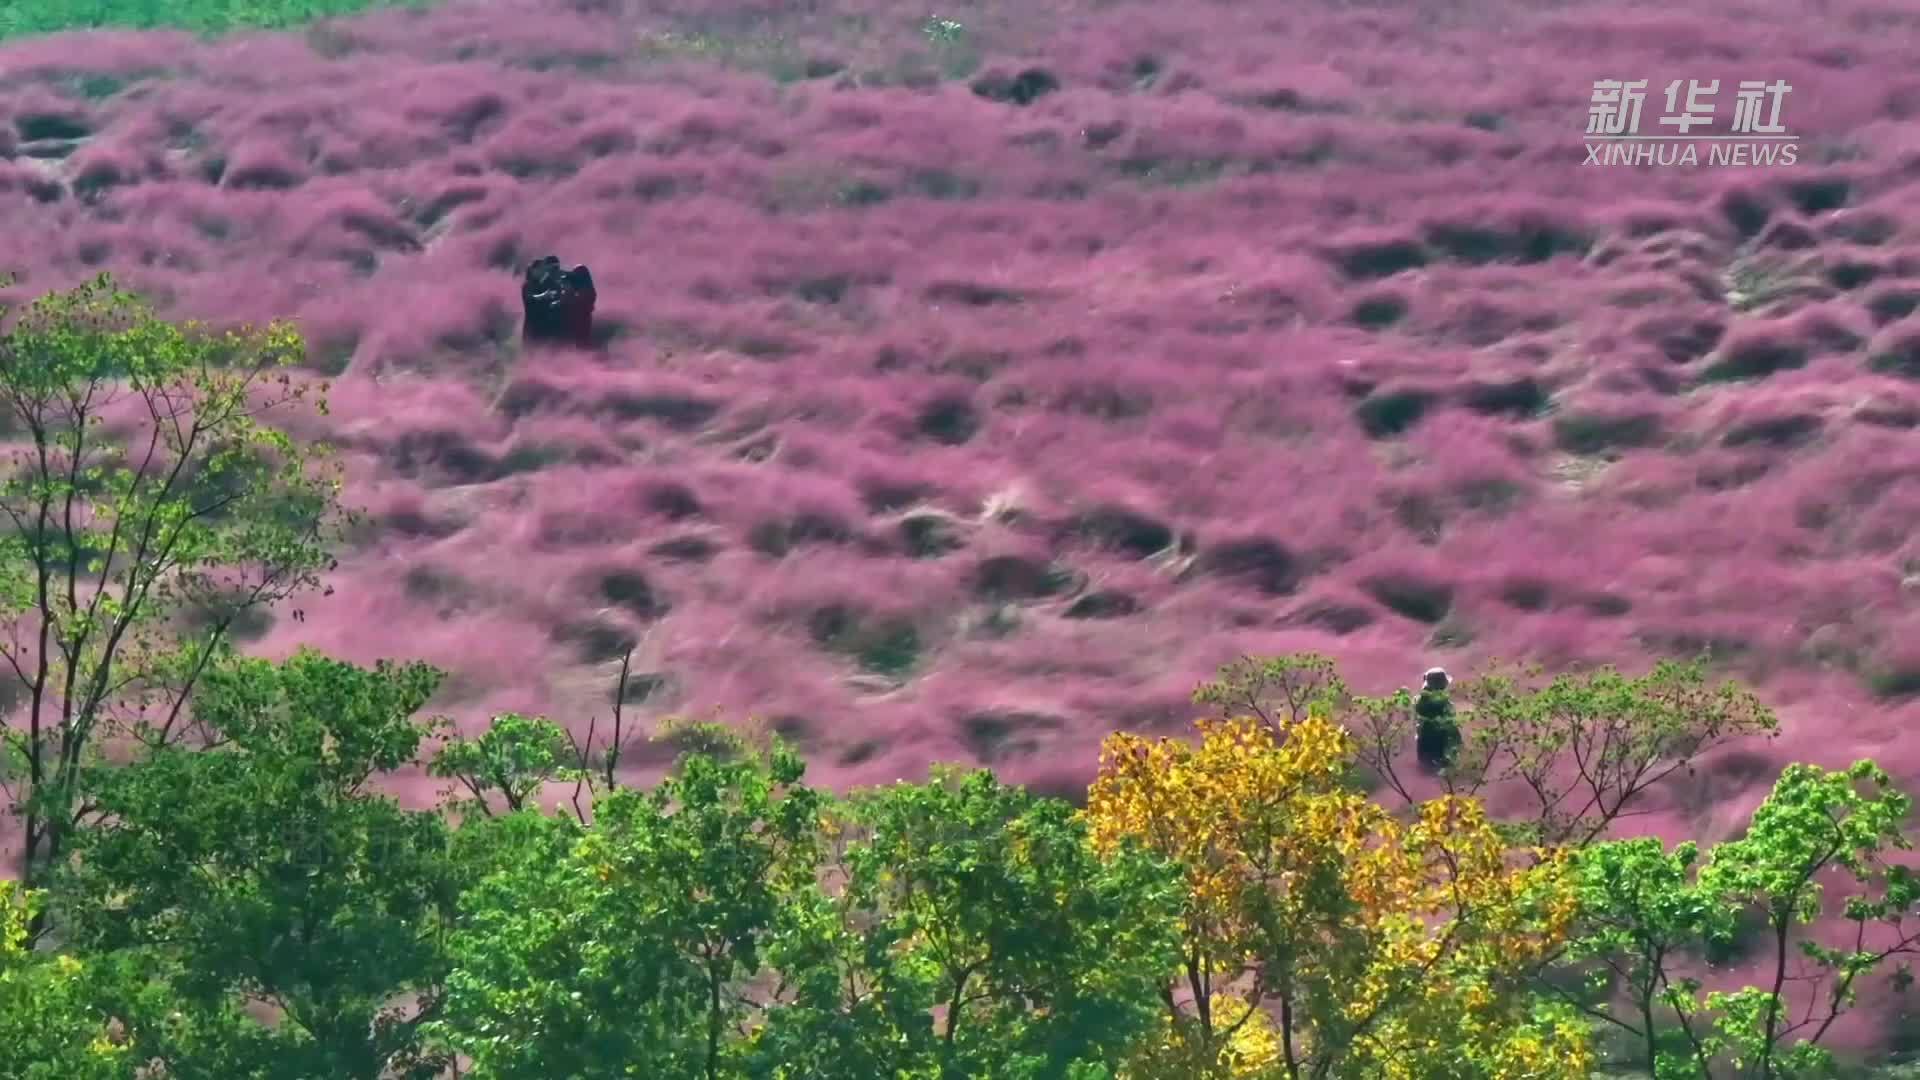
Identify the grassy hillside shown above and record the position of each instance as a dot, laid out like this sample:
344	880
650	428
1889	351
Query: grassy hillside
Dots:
932	424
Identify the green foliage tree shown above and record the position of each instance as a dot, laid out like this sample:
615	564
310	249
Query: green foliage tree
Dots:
733	922
1647	912
628	953
147	508
987	906
1640	912
1583	747
263	872
242	906
49	1027
512	760
1586	746
1279	690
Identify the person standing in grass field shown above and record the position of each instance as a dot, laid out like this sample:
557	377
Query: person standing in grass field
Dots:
1438	738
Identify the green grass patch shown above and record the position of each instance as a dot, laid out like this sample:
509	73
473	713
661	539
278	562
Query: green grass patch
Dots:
20	18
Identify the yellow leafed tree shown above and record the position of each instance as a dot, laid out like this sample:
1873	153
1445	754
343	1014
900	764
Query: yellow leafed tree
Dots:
1323	936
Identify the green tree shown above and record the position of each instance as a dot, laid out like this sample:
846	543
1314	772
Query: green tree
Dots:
148	509
625	947
1279	690
512	760
1815	822
1647	912
49	1027
517	757
1583	748
986	906
264	872
1642	912
1587	746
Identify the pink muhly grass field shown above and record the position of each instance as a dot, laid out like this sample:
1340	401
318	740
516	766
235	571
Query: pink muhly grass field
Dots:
925	426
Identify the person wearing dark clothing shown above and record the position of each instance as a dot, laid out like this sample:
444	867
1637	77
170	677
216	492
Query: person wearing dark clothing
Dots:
558	303
1438	738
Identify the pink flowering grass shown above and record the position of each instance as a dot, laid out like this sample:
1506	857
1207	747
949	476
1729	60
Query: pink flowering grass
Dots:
926	426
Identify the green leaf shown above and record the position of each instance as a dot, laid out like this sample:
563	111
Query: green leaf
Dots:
263	870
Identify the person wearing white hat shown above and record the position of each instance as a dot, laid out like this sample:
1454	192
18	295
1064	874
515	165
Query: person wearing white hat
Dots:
1438	738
